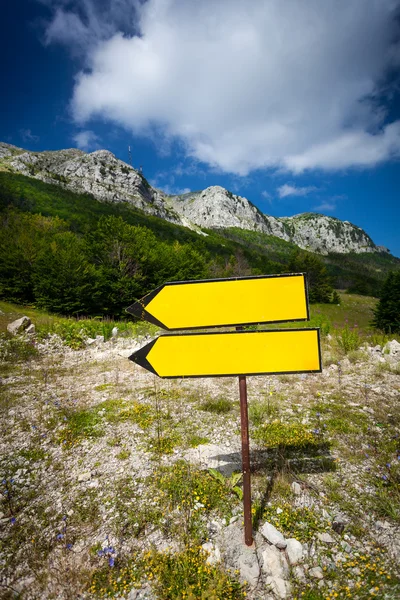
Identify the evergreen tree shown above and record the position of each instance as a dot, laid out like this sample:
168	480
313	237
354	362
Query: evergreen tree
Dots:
387	312
319	283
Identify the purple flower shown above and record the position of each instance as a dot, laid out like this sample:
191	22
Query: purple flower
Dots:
60	536
388	465
69	546
13	520
100	552
318	414
111	561
384	477
64	518
367	455
316	431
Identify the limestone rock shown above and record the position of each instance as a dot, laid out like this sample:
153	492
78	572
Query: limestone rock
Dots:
296	487
30	330
294	550
339	523
392	349
82	477
325	538
273	535
237	555
316	573
276	569
214	554
19	325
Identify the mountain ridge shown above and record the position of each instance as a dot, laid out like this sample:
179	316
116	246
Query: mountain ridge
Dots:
109	179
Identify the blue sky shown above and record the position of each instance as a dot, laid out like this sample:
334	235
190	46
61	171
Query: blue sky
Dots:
294	105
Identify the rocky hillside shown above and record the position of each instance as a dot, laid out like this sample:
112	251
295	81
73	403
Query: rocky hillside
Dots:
114	490
109	179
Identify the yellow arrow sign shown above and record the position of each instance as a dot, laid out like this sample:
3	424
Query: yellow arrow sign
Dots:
225	302
232	353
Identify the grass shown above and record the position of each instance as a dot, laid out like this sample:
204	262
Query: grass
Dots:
16	349
218	406
300	523
189	488
288	435
187	574
72	331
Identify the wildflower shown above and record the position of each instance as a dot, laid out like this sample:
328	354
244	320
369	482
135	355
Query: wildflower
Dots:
111	561
13	520
388	465
100	552
69	546
60	536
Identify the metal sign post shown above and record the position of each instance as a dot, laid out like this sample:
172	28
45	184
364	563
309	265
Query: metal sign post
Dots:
244	422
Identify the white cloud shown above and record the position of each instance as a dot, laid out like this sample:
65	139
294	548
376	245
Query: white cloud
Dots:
329	206
28	136
86	140
243	85
291	190
171	190
267	196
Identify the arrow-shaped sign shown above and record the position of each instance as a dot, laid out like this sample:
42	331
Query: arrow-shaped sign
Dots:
225	302
245	352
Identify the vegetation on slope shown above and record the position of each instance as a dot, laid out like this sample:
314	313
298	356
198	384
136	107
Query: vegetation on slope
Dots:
71	254
357	273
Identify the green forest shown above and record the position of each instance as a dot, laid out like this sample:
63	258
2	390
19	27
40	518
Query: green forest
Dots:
71	254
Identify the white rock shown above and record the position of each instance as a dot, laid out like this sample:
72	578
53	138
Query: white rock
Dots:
30	330
279	586
296	487
114	332
325	538
294	550
18	326
274	562
316	573
213	552
392	348
84	476
273	535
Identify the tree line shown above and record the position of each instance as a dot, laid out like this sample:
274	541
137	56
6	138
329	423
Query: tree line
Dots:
73	255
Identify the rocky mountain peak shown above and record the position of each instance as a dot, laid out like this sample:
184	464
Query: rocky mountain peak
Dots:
109	179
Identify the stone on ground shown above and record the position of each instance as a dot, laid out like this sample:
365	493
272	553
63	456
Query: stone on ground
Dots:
18	326
273	535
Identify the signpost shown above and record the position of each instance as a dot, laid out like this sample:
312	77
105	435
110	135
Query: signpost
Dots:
223	303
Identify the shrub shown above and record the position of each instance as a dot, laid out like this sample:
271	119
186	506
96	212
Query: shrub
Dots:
387	312
15	349
348	339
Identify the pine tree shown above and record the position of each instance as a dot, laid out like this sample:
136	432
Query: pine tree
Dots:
387	312
319	283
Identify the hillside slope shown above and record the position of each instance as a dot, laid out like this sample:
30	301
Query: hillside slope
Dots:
109	179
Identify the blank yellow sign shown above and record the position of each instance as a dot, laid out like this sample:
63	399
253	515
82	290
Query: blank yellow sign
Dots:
232	353
224	302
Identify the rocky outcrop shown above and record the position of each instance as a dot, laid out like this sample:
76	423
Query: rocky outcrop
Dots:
109	179
99	173
323	234
216	207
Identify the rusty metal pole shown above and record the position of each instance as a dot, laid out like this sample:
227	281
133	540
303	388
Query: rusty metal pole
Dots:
244	421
